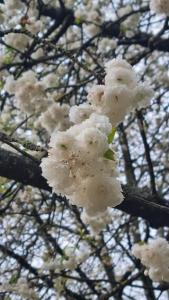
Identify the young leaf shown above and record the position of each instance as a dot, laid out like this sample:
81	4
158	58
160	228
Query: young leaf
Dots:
109	154
111	135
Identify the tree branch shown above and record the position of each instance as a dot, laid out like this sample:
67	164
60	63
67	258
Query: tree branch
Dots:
137	202
111	29
21	169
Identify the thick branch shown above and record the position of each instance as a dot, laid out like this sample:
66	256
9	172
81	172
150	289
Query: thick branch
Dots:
21	169
148	41
141	203
137	202
111	29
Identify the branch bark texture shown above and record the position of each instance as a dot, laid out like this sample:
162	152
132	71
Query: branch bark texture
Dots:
137	202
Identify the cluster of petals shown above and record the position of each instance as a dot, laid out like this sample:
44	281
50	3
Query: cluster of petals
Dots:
29	92
56	117
160	6
121	94
21	288
154	256
73	257
97	222
106	44
17	41
10	7
92	17
76	166
81	164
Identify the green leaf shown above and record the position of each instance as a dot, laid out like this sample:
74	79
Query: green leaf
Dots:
78	21
63	146
141	243
111	135
7	59
8	50
123	28
109	154
2	188
13	279
81	232
1	84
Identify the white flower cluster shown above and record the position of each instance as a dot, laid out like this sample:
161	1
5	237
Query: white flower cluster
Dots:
73	257
82	164
15	13
20	288
76	166
18	41
33	25
129	25
155	257
106	45
98	222
92	17
50	80
9	7
160	6
55	118
121	93
29	92
80	113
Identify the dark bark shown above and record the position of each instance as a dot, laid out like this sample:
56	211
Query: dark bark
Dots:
111	29
140	203
137	202
21	169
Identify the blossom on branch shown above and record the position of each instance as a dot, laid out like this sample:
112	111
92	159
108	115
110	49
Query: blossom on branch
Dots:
154	256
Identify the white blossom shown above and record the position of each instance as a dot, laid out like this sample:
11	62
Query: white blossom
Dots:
160	6
13	4
120	76
29	93
18	41
34	26
107	44
130	23
21	288
113	102
80	113
97	193
37	54
97	222
117	63
76	166
154	256
73	257
50	80
10	85
55	118
121	94
81	164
